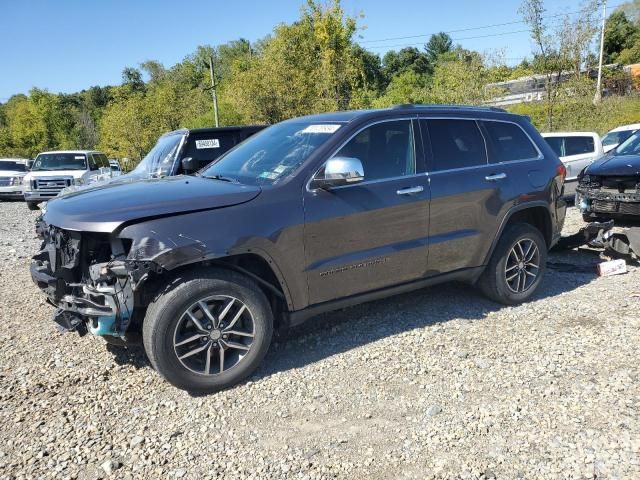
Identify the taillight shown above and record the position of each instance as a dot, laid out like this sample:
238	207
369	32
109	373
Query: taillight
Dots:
562	171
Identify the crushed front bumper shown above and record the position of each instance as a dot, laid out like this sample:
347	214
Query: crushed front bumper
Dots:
607	203
93	297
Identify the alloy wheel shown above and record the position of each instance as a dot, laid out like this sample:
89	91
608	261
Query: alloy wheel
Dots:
522	266
214	334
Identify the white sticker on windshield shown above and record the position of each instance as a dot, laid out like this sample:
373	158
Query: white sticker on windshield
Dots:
79	157
321	128
212	143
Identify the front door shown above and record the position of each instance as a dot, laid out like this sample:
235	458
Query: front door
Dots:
372	234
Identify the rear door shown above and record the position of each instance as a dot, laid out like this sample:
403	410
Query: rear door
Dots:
476	170
465	193
372	234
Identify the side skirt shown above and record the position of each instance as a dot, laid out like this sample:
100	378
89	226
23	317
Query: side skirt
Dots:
292	319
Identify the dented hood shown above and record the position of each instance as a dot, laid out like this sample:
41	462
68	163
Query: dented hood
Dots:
615	165
104	208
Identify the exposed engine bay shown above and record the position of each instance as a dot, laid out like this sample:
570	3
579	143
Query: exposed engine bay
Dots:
89	279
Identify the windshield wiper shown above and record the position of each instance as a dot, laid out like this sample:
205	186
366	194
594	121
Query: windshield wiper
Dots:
222	178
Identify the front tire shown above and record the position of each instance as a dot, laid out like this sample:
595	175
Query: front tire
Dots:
517	265
208	330
32	206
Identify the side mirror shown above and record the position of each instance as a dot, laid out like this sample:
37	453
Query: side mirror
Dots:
189	164
339	171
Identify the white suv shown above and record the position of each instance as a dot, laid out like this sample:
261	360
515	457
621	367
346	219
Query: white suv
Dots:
53	171
576	150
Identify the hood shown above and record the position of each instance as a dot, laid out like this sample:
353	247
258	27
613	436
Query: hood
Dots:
616	165
56	173
112	180
11	173
105	207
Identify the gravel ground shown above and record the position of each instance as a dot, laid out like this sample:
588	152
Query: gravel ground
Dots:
439	383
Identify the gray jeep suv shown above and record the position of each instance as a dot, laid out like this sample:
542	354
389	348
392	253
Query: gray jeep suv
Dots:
309	215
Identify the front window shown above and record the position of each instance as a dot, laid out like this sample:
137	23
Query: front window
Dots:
12	166
615	138
160	159
60	161
631	146
271	154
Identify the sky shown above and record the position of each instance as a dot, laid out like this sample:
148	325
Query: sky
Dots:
70	45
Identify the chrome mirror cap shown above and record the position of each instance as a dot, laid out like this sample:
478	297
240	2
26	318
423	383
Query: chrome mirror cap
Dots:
339	171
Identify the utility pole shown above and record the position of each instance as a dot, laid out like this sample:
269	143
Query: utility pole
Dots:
213	91
598	96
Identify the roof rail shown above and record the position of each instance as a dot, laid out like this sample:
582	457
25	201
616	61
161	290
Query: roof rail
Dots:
440	106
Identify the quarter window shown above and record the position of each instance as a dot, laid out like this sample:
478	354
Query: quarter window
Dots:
385	149
455	144
507	142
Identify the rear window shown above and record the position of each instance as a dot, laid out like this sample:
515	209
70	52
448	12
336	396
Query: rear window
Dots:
507	142
455	144
571	145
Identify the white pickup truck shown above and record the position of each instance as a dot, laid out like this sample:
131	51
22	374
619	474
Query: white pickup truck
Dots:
576	150
53	171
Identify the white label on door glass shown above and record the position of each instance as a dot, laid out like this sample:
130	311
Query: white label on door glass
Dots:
212	143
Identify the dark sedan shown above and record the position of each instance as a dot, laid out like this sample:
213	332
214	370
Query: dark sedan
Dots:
609	188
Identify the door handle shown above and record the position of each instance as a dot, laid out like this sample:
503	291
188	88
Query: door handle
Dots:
410	190
496	176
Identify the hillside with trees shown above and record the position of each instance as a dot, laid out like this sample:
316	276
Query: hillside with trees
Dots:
316	64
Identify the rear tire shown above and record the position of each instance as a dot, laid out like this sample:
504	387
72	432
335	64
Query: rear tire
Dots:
205	352
517	265
32	206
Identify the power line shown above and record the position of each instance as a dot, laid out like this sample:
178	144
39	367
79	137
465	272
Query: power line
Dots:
453	39
481	27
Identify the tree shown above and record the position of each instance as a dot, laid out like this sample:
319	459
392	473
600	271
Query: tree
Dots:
409	58
559	50
438	44
619	34
132	78
308	66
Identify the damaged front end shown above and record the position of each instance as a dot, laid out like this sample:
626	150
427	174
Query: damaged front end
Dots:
609	196
89	279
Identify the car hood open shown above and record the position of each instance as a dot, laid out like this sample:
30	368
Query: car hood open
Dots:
104	208
615	165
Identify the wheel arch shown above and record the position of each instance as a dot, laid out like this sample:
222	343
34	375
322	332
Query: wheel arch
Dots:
535	213
257	266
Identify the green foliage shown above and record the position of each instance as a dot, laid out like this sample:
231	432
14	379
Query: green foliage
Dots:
438	44
315	65
309	66
582	115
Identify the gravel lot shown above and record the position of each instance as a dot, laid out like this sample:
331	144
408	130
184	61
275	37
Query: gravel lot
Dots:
439	383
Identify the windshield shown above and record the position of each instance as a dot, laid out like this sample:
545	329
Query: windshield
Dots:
12	166
272	153
631	145
159	161
614	138
60	161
